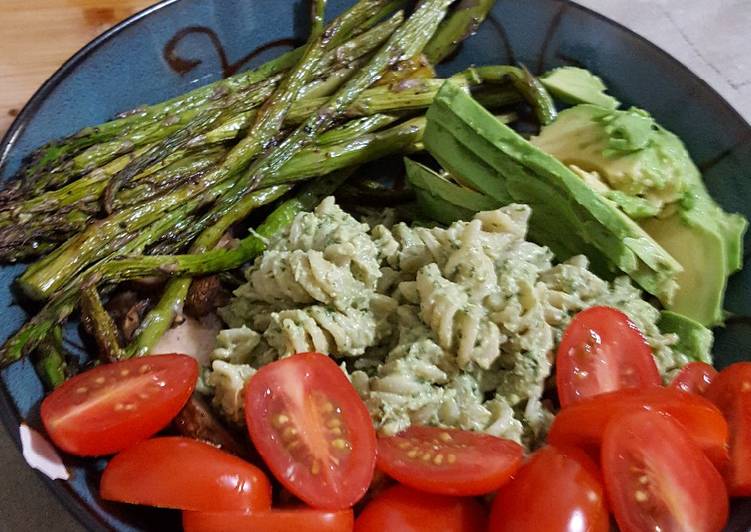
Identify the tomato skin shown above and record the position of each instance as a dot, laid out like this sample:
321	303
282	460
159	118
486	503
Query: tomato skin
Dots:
312	430
556	490
658	479
185	474
583	424
291	520
407	510
694	377
111	407
731	392
480	463
602	351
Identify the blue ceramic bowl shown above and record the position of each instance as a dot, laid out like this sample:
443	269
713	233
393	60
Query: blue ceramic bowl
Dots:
180	44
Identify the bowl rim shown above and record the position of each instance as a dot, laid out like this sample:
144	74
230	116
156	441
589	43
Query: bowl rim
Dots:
8	412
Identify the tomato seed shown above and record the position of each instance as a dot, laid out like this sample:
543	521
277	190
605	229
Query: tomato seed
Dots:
427	456
641	496
340	444
99	380
336	431
144	368
119	407
316	467
82	389
445	436
280	421
413	453
451	458
438	459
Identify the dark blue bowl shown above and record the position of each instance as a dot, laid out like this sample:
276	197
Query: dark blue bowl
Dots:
179	44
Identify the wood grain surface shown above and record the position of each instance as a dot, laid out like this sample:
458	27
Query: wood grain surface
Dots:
37	36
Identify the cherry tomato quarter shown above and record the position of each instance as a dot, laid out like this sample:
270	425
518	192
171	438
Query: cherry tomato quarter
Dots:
290	520
602	351
185	474
694	377
403	509
555	489
312	430
657	479
731	392
113	406
449	461
583	424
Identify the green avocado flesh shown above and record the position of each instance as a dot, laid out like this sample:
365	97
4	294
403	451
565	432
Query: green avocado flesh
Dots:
444	201
576	85
625	156
567	215
694	339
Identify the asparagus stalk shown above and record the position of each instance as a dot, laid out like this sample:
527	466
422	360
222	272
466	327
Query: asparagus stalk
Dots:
152	123
161	317
266	126
64	301
97	322
461	23
523	80
407	41
51	365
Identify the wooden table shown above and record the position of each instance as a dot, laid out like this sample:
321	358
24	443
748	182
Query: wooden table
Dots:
37	36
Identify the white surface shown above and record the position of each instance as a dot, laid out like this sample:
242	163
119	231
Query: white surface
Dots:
711	37
40	454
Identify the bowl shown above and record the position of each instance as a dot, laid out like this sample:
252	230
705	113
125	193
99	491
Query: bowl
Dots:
177	45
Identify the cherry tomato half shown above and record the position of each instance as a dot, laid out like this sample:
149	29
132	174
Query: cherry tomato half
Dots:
731	392
555	490
449	461
694	377
185	474
583	424
312	430
407	510
657	479
602	351
292	520
111	407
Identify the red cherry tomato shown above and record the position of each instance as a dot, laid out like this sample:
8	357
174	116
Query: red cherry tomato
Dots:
292	520
555	490
449	461
731	392
694	377
602	351
113	406
312	429
185	474
403	509
658	479
583	424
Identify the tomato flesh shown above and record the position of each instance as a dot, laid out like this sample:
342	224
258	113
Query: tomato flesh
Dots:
731	392
449	461
694	377
113	406
407	510
312	430
602	351
583	424
185	474
292	520
658	479
555	490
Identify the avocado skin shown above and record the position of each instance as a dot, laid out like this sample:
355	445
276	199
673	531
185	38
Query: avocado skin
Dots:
442	200
574	85
694	339
567	215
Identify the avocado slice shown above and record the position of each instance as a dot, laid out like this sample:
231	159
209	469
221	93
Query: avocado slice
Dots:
694	339
567	215
574	85
444	201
